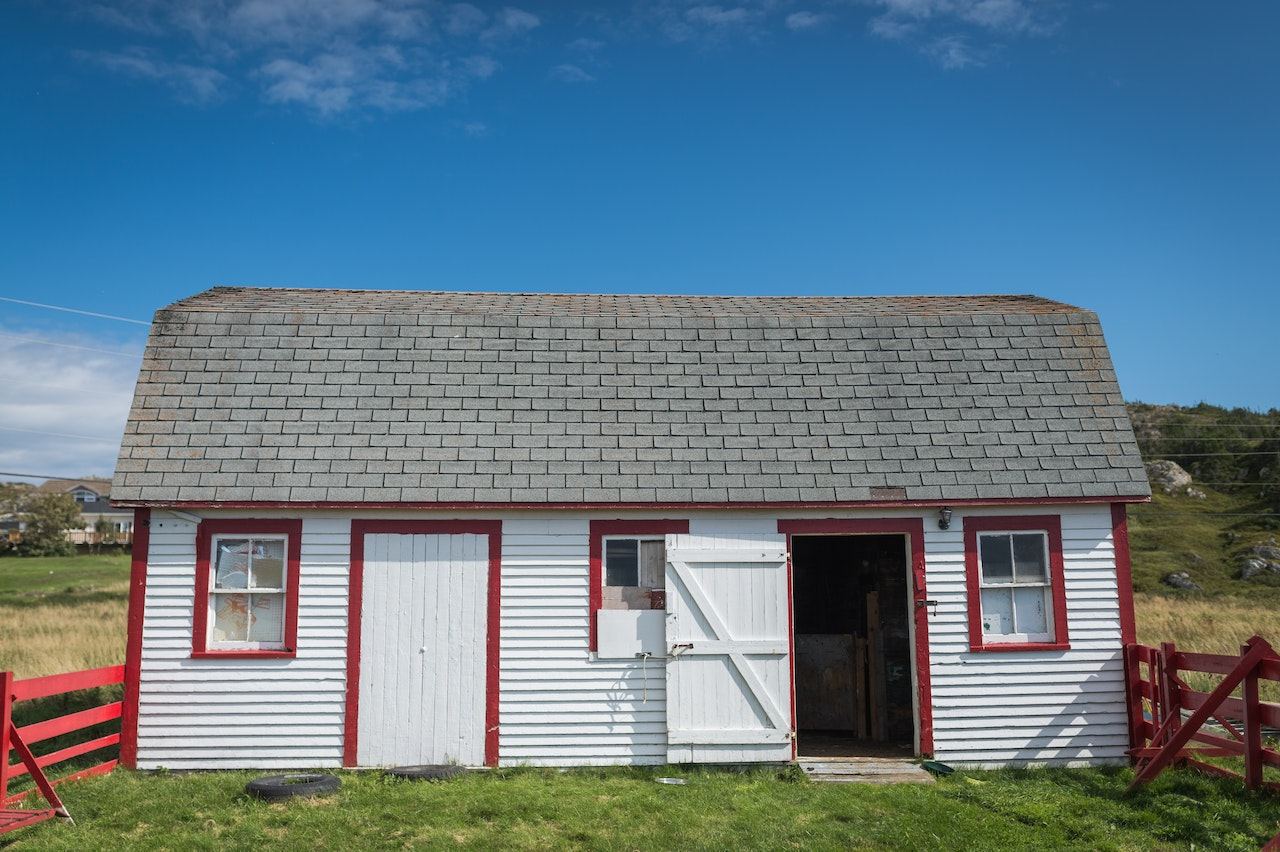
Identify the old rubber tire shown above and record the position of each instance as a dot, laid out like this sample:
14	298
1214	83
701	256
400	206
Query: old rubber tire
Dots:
277	788
427	772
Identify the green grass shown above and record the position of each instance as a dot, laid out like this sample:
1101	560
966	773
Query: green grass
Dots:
63	579
61	614
624	809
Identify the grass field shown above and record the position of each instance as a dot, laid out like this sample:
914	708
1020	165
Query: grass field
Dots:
625	809
59	614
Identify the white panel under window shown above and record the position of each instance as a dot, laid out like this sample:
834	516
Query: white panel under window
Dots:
629	633
1029	610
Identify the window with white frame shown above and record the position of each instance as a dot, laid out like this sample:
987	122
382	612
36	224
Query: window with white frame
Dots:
247	597
1016	589
634	573
83	495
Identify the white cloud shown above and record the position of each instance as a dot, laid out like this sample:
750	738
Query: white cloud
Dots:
567	73
952	53
952	32
475	129
190	83
52	391
586	45
510	23
804	20
327	56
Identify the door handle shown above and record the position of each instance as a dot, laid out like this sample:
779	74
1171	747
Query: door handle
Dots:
683	646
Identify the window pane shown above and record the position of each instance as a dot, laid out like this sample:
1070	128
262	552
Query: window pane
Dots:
997	612
230	618
233	564
268	565
993	551
266	623
621	562
1028	557
653	564
1029	608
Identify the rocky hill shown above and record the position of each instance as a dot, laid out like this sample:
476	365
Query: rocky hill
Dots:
1213	525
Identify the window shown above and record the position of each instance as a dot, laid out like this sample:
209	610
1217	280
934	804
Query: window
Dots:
628	566
84	496
246	601
634	573
1015	583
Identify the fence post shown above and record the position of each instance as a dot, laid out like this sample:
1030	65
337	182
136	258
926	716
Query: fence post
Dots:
1133	693
6	722
1169	694
1252	728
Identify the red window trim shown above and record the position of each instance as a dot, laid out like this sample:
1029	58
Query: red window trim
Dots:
913	529
355	596
595	558
1124	573
1051	524
207	529
133	648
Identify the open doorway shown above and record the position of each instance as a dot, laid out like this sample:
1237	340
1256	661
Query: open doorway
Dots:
852	621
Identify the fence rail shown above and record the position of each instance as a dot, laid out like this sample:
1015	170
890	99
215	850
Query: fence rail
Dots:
1167	718
20	738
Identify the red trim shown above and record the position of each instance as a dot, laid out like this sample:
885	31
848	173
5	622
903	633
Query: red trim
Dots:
355	597
1124	573
1051	524
205	532
595	558
913	529
469	505
133	645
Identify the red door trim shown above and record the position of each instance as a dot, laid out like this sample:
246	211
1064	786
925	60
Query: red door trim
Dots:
1124	572
595	558
913	529
355	592
133	648
1052	524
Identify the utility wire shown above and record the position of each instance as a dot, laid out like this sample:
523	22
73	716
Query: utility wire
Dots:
60	435
71	310
71	346
46	476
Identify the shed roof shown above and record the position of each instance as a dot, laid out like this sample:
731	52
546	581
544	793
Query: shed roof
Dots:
345	396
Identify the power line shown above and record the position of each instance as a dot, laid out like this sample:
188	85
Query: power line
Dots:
60	435
71	346
71	310
46	476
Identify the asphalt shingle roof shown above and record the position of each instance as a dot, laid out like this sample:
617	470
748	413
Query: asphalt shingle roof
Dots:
335	396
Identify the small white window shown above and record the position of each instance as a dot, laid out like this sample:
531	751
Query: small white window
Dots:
247	598
1017	597
634	573
83	496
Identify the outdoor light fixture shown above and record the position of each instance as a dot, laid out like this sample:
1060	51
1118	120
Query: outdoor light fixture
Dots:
944	518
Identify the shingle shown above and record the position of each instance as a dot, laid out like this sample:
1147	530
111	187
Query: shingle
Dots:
387	395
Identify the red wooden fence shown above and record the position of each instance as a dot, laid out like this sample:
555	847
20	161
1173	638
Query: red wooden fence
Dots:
21	738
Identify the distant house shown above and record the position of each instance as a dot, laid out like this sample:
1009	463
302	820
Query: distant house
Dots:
94	498
381	527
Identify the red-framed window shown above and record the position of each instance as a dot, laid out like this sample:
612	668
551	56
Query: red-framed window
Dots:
1015	583
246	588
623	543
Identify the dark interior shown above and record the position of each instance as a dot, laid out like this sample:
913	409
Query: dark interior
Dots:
853	645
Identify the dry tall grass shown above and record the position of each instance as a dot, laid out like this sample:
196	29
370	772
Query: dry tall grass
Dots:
39	639
1210	626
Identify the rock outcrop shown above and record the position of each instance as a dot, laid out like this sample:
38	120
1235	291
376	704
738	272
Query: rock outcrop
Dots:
1181	580
1259	560
1170	478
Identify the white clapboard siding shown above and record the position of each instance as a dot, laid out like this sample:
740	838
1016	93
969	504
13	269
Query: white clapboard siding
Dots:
210	714
559	707
422	650
1051	707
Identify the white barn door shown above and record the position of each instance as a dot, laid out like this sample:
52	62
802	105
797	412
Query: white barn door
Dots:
422	650
729	666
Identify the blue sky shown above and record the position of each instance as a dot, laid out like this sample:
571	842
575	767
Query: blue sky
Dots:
1119	156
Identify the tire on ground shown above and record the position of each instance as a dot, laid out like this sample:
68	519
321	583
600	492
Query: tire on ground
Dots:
426	772
277	788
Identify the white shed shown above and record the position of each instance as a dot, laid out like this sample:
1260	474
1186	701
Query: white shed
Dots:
379	528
